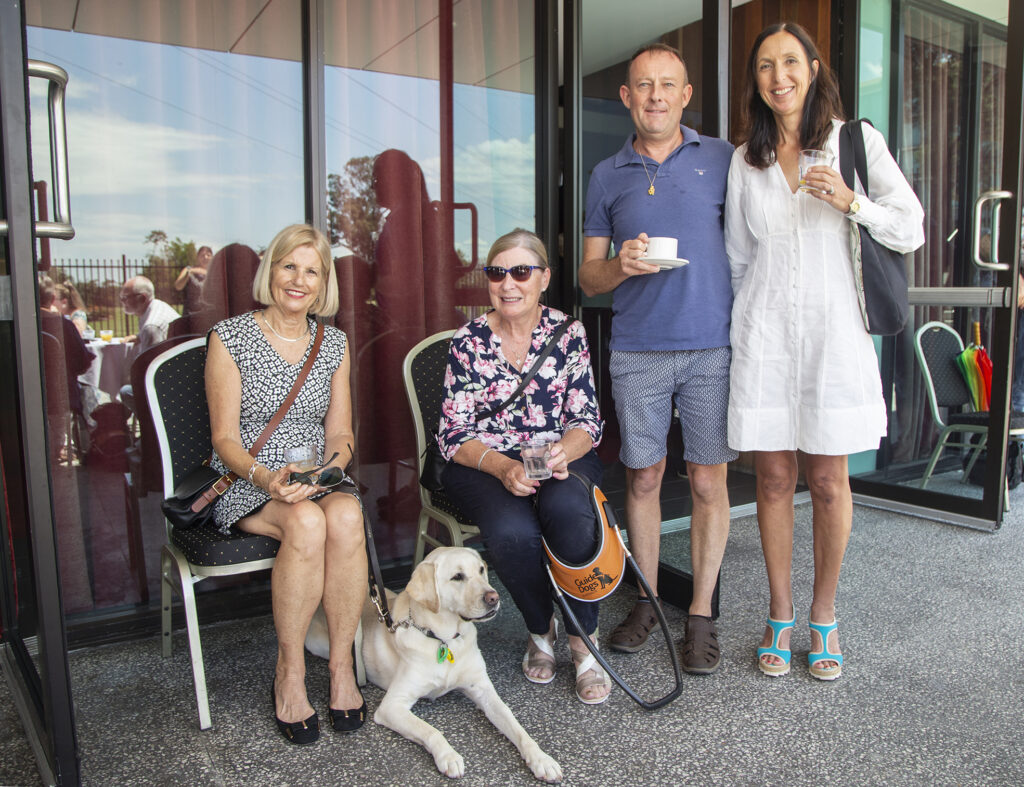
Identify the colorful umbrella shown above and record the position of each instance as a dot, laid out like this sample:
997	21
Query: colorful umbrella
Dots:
976	368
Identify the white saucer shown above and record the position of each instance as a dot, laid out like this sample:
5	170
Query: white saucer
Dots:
667	264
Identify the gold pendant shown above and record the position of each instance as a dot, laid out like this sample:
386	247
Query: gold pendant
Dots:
651	190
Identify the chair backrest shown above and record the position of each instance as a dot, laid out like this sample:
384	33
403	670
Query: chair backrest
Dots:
176	392
423	372
937	346
149	453
57	399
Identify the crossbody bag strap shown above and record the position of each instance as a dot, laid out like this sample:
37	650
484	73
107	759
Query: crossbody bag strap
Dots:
548	349
846	153
230	477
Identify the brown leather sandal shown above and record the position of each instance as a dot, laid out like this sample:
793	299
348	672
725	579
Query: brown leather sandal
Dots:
631	634
700	651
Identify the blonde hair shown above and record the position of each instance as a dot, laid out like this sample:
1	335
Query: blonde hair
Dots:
520	239
283	244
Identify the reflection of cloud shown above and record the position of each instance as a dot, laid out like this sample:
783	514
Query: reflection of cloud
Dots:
497	175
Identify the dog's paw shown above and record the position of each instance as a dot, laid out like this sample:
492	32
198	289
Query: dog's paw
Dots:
545	768
450	763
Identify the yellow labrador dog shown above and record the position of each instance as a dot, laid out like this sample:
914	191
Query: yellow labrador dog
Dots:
434	651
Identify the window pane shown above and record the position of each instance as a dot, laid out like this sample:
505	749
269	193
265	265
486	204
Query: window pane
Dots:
423	173
184	130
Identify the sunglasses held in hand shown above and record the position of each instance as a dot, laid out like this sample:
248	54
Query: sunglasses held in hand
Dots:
519	272
332	476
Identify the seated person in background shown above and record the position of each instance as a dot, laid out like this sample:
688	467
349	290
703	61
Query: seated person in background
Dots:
191	280
138	297
72	306
485	477
252	361
75	356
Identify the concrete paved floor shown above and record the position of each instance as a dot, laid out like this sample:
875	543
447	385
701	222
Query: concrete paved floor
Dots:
931	694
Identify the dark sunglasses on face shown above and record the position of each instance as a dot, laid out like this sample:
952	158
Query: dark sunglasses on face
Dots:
497	274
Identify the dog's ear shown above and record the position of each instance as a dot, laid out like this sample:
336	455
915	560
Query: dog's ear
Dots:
423	587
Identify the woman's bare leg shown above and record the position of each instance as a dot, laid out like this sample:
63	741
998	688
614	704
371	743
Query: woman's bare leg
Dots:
344	591
776	485
829	481
296	586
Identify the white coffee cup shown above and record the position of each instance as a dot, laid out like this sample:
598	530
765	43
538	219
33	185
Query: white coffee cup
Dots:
662	248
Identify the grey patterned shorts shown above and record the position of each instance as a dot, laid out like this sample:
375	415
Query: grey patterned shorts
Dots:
645	385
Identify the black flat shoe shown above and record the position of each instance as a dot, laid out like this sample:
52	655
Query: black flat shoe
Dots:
347	720
301	733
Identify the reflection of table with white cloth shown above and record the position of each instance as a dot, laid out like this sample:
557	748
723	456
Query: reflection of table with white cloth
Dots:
107	372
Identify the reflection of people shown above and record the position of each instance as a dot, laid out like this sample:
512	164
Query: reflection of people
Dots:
71	305
191	279
227	290
65	355
805	374
138	298
670	332
253	360
485	475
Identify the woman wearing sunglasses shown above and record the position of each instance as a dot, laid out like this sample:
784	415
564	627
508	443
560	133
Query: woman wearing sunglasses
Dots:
485	476
252	362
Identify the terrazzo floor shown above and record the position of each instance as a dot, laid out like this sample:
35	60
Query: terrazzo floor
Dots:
932	692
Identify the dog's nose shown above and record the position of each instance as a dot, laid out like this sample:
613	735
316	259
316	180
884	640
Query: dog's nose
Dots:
491	598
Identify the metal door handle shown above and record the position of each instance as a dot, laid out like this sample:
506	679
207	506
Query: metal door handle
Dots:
58	78
997	197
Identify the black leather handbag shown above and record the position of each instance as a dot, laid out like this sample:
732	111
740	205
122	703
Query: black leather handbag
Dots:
883	272
434	461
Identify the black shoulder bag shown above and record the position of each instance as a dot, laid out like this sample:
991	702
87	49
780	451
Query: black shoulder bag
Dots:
883	275
434	461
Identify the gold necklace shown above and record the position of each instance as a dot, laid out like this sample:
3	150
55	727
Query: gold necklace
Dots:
279	336
648	174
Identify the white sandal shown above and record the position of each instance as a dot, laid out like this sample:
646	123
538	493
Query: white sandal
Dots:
585	662
543	655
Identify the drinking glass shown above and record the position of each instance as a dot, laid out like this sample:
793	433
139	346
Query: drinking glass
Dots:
302	456
813	158
535	453
106	334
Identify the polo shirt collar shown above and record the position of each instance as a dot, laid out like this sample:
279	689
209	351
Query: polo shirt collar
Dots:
627	155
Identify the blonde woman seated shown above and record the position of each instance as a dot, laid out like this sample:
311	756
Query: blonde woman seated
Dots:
252	361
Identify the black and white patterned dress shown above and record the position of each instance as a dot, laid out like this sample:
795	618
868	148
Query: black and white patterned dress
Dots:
266	380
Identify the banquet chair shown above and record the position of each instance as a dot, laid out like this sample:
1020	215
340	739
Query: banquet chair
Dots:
937	347
176	396
423	372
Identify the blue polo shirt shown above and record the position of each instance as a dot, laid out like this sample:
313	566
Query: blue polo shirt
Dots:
684	308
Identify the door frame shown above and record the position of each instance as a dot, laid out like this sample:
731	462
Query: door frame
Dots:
47	713
936	505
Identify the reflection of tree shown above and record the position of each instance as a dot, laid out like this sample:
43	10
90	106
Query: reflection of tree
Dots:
353	215
164	261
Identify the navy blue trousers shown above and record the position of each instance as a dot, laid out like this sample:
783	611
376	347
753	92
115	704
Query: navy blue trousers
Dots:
512	528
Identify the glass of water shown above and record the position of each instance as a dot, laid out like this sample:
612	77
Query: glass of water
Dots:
536	453
302	456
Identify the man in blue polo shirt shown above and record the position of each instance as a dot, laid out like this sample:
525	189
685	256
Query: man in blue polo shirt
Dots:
670	329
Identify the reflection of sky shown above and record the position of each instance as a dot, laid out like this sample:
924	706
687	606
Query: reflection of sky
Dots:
207	146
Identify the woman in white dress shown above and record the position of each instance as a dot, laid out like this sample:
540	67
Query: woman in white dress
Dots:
804	371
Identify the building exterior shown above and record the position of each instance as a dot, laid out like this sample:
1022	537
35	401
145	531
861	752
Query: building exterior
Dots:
413	132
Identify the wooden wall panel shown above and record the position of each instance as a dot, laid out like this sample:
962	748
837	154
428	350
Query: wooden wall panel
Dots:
750	19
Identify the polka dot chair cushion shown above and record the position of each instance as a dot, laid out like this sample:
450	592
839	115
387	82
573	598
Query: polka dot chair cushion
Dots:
180	412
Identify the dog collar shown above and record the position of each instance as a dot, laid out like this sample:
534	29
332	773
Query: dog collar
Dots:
444	653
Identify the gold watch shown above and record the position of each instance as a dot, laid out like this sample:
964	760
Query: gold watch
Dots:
854	207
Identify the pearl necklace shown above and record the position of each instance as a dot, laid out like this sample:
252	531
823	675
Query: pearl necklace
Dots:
279	336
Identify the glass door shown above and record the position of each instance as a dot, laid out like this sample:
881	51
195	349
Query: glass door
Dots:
32	642
947	110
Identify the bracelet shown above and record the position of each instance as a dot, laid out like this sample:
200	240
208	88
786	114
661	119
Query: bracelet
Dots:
480	461
252	471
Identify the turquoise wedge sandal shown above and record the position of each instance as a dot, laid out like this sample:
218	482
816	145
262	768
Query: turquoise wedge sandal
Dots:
777	627
815	657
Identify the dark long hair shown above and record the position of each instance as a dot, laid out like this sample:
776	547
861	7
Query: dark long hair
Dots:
821	104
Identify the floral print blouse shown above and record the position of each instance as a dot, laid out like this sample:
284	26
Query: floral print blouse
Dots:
560	397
